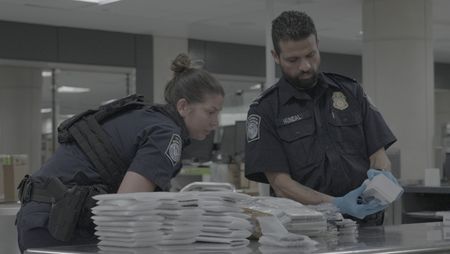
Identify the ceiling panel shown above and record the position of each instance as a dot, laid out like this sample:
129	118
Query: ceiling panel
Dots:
237	21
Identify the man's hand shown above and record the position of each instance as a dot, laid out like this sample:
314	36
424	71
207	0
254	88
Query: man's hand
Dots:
348	204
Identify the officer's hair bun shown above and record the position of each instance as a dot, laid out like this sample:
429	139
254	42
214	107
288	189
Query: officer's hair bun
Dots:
181	63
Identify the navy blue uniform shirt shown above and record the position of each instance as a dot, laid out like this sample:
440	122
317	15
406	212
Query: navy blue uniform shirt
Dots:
148	141
322	137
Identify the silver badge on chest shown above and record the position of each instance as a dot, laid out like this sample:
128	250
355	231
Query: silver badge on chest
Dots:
339	101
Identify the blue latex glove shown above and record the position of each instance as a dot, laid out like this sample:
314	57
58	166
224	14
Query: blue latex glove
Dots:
373	172
348	204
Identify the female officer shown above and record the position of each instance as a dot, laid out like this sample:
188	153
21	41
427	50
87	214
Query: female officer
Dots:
125	146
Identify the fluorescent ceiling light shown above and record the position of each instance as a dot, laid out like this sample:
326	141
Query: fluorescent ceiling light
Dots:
99	2
46	110
65	116
46	74
108	101
256	86
73	89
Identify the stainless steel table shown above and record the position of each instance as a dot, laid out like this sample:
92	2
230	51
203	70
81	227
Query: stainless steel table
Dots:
407	238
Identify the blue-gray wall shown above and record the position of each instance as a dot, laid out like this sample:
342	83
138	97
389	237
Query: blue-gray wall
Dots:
30	42
229	58
238	59
246	60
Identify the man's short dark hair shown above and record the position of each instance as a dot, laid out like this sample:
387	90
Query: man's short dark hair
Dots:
291	25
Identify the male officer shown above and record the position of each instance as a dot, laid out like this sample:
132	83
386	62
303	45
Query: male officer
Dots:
314	136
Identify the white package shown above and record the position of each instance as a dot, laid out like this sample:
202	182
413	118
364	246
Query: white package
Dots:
383	189
152	218
289	240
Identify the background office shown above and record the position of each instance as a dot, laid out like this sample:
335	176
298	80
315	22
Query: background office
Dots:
125	46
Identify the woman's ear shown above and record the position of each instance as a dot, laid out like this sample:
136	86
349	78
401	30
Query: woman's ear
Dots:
183	107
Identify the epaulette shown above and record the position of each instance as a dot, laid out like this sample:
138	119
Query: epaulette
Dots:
344	81
263	94
340	77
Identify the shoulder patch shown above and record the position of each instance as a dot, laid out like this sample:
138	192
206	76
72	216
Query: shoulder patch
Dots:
263	94
253	122
173	150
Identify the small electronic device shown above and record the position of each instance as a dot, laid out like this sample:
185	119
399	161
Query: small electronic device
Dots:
382	188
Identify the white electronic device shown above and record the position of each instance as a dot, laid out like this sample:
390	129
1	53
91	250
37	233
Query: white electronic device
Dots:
382	188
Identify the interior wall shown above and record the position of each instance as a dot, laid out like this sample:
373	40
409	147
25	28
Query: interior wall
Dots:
31	42
20	124
166	49
83	46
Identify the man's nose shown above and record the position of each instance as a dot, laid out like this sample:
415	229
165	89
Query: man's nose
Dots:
304	65
215	122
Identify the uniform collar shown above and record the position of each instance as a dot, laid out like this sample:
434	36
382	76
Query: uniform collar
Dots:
325	79
173	114
287	91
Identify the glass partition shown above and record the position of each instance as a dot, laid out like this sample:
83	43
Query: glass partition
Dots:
240	91
67	92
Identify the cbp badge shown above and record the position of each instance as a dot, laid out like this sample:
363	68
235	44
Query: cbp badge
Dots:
253	122
173	151
339	101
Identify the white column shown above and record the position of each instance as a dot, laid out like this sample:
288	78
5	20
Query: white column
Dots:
264	189
165	50
20	115
270	63
398	75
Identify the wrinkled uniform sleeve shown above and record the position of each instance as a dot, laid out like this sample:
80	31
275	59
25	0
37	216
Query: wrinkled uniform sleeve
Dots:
158	155
263	151
377	132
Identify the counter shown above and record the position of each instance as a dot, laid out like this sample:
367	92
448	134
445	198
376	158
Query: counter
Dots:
444	188
9	208
8	233
419	203
406	238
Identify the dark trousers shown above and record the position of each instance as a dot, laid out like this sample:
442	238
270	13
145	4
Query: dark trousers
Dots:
32	232
40	238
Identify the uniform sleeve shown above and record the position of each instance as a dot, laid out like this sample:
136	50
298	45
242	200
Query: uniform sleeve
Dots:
263	150
158	155
377	132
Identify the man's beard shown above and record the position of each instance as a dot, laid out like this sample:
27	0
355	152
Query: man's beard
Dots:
303	84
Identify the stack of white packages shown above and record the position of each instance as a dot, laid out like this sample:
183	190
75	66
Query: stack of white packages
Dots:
224	221
340	230
300	219
168	221
146	219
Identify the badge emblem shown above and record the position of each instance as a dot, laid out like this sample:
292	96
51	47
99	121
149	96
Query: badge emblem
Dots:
339	101
173	151
253	122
